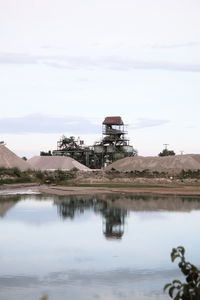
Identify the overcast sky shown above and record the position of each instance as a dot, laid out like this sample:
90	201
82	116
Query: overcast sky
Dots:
66	65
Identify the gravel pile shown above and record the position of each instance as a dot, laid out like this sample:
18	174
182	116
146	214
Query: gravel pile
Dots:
55	162
170	164
8	159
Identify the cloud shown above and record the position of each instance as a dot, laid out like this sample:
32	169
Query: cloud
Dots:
106	62
18	58
48	124
144	123
74	125
180	45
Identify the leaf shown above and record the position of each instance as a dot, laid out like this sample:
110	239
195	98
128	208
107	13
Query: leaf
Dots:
181	249
185	289
176	281
171	291
166	286
174	257
189	290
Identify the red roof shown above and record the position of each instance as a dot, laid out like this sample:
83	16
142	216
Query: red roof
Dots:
113	121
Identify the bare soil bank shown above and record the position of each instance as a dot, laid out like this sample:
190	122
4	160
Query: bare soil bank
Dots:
142	190
183	190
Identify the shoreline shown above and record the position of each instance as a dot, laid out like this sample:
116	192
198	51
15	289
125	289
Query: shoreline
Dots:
183	190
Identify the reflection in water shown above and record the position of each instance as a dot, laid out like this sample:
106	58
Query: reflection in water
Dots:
114	208
7	202
41	254
155	203
44	298
113	218
70	207
114	223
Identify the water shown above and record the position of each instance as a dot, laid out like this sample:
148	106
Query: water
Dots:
89	247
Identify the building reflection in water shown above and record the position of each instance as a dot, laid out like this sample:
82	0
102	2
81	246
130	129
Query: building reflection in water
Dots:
113	223
113	217
113	208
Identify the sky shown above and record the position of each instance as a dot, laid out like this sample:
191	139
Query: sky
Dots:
66	65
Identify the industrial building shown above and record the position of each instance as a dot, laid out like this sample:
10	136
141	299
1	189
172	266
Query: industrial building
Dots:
114	145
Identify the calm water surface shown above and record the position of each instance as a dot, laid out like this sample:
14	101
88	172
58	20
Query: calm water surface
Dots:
99	247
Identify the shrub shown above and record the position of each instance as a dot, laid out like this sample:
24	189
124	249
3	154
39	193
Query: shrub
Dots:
190	290
40	175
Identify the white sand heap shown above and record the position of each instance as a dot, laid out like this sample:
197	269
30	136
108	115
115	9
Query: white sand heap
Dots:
55	163
170	164
8	159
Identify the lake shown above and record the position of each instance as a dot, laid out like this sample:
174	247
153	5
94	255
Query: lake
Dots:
93	247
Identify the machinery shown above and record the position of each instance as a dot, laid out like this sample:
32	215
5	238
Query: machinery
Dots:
114	145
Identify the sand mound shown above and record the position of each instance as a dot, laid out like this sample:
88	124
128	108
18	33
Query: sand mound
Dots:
55	163
8	159
196	157
170	164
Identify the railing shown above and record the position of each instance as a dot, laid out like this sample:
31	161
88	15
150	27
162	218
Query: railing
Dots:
110	131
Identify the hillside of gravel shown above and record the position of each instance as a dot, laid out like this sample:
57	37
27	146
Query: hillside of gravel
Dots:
55	162
8	159
170	164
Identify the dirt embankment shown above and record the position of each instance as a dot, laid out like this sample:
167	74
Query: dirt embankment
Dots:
142	190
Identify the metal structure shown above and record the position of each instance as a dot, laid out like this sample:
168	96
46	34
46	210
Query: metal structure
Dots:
73	148
166	146
114	145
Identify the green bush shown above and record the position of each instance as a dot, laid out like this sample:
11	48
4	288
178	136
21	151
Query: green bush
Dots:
189	290
167	152
39	175
189	174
